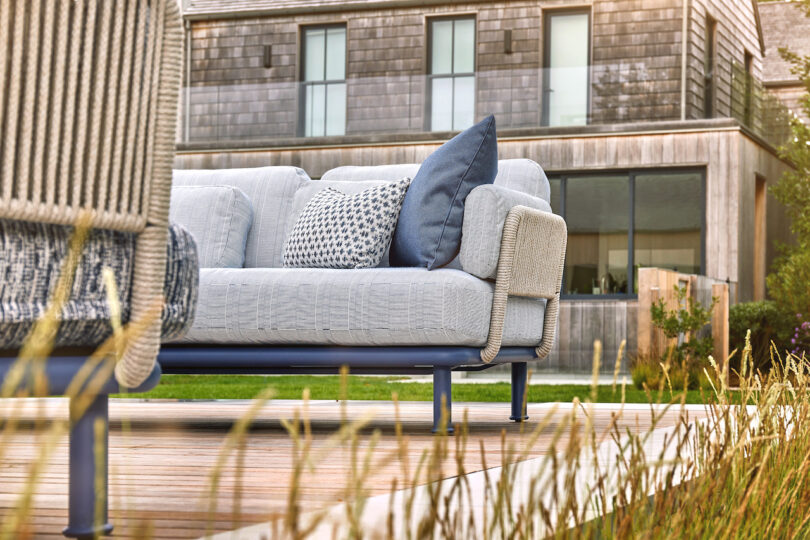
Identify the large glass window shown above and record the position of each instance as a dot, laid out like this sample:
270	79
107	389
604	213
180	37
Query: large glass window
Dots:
452	74
668	221
620	222
565	90
324	81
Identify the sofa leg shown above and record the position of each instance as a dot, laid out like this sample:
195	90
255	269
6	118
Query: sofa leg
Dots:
84	499
442	399
519	380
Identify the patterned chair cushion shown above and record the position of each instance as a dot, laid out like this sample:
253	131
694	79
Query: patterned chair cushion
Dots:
31	256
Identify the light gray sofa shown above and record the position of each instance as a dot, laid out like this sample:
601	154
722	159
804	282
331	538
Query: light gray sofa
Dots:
495	303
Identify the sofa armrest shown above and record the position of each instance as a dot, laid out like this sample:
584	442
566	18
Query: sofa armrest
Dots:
485	211
531	261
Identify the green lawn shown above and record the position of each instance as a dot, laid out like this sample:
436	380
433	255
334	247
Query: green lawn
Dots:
373	388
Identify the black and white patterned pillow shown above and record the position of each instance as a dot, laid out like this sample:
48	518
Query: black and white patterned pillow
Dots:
336	230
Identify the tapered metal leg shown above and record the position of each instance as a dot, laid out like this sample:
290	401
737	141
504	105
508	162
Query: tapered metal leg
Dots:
442	398
84	499
519	379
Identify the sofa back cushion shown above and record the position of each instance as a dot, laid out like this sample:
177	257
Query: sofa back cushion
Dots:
271	191
219	219
522	175
355	173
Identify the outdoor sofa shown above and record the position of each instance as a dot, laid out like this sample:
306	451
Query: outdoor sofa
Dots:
495	303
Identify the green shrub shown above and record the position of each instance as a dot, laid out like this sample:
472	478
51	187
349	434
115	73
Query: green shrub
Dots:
767	323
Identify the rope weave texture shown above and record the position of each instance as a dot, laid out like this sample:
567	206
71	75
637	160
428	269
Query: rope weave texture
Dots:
87	120
530	264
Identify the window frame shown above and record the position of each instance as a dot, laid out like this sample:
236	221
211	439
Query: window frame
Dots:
303	84
548	14
631	174
430	76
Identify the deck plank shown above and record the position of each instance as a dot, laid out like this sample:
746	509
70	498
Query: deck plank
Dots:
162	454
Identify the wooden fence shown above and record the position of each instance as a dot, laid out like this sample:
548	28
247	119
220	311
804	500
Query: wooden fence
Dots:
655	284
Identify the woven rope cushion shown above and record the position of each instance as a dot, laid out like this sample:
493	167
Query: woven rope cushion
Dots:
336	230
31	259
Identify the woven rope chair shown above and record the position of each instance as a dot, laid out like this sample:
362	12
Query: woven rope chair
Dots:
89	119
88	110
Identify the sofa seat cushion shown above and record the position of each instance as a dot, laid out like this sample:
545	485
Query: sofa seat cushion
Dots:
365	307
31	256
219	219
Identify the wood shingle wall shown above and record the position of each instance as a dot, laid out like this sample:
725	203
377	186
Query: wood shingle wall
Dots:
635	54
636	60
736	34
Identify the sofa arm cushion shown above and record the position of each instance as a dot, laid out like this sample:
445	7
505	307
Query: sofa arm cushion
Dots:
485	212
219	218
531	264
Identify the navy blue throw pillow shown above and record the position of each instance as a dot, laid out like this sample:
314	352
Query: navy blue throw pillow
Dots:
428	233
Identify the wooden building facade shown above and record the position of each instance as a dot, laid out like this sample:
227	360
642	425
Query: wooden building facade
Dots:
647	117
785	24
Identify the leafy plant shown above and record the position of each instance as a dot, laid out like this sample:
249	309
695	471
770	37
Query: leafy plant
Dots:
800	342
687	322
683	363
650	373
788	282
767	323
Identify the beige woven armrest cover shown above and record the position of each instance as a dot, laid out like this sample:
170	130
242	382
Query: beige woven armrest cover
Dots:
88	110
530	264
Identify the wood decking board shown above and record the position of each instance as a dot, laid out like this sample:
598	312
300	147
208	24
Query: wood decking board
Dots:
160	469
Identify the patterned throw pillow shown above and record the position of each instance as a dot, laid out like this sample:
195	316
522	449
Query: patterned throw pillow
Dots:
336	230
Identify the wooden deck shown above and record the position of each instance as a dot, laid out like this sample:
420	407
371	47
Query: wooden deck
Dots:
163	453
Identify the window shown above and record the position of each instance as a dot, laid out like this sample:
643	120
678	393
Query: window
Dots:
566	73
709	61
451	76
620	222
668	221
324	81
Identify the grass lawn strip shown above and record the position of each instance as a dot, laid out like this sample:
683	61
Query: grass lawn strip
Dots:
380	388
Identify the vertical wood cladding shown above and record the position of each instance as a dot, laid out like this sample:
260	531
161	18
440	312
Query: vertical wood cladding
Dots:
635	74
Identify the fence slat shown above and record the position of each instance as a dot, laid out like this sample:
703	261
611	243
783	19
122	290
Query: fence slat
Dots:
720	323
